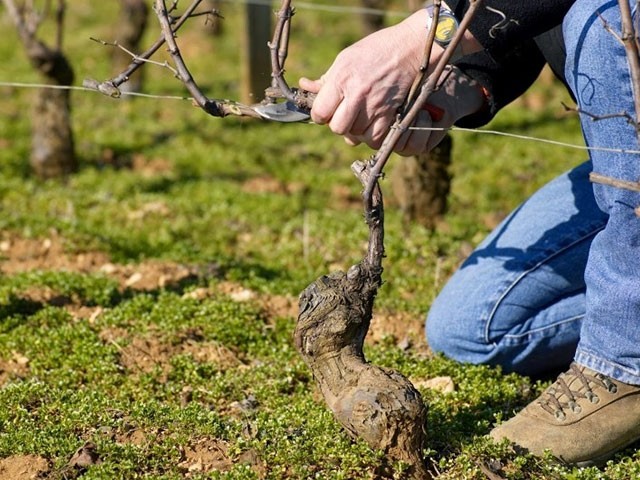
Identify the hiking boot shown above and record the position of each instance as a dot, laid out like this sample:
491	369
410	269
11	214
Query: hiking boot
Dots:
583	418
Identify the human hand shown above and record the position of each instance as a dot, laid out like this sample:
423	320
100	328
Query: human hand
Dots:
360	94
457	96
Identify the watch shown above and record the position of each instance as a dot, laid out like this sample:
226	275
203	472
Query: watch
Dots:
447	24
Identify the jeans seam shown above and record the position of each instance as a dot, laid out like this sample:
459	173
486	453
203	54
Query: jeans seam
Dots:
583	354
522	275
536	330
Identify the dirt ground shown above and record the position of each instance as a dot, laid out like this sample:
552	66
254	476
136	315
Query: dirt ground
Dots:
23	467
24	254
142	354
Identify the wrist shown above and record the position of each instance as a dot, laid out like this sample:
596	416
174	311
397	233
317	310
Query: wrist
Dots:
447	28
416	24
460	95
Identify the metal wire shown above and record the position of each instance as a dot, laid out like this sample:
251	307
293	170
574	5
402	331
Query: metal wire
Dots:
454	129
529	138
85	89
328	8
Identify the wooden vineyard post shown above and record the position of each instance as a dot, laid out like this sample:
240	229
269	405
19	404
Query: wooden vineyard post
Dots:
256	63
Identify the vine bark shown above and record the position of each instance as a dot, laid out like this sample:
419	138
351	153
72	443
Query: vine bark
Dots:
52	141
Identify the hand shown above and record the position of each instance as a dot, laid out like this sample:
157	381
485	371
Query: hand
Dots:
359	96
458	96
360	93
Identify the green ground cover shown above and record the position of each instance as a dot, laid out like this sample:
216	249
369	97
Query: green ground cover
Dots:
194	375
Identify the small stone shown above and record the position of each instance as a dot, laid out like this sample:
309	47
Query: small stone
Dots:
440	384
133	279
85	456
108	268
197	294
242	295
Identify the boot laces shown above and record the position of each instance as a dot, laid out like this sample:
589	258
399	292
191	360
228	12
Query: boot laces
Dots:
571	386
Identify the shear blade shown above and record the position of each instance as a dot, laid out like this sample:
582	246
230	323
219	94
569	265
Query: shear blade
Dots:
282	112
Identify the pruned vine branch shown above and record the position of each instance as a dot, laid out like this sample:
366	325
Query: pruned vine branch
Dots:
169	26
183	73
614	182
628	37
412	106
279	48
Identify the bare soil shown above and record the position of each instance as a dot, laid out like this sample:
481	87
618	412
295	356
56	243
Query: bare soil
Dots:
143	354
23	467
206	455
18	254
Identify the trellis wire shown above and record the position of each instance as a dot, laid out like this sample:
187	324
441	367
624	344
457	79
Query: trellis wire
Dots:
454	129
533	139
327	8
85	89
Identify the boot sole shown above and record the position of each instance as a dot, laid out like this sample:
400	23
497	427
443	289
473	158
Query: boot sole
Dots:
602	459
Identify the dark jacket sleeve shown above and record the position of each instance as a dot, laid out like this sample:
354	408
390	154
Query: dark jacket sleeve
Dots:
506	80
500	24
551	45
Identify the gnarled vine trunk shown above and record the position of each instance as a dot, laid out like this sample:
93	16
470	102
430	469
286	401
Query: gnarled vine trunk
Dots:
377	404
52	145
52	142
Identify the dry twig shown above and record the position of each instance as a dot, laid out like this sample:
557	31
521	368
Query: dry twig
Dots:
629	39
169	26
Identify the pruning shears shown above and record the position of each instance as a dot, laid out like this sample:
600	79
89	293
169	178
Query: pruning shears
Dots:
286	112
289	111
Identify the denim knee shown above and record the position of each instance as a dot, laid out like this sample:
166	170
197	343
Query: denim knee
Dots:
453	328
519	299
501	335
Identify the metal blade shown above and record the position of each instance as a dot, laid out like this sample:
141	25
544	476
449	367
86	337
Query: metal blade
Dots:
282	112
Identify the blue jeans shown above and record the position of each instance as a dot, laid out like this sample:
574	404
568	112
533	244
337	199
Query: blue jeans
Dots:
559	279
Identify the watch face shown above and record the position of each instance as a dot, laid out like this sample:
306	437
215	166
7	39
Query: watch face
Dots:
447	28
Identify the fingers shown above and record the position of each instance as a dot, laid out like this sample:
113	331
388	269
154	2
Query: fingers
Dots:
361	123
343	118
351	140
347	118
372	136
414	141
328	99
312	86
423	137
350	121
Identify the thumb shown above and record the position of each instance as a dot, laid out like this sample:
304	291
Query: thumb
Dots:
312	86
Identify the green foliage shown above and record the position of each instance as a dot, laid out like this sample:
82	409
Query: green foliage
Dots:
266	206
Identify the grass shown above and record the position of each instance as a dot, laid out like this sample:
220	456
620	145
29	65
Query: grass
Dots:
196	375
